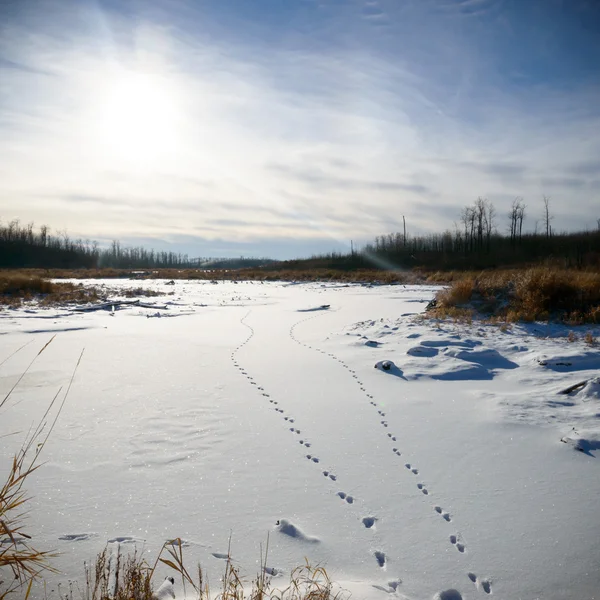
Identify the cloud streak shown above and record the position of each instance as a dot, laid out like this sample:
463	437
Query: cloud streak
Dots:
333	130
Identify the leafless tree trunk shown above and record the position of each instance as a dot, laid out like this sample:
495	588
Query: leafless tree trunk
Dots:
490	217
547	217
520	217
516	216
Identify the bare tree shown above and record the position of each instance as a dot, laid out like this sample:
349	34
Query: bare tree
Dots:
480	215
516	216
520	218
547	217
43	235
467	218
489	221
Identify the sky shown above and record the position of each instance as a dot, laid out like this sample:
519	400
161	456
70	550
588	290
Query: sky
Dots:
284	128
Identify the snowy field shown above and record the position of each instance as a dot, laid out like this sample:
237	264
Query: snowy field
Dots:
245	410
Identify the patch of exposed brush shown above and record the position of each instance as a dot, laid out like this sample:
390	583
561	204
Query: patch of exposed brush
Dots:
373	276
129	577
17	287
536	294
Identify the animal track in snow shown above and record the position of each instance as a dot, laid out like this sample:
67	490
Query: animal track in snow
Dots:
422	488
485	584
460	546
380	558
311	457
369	522
330	475
344	496
220	555
448	595
392	437
440	511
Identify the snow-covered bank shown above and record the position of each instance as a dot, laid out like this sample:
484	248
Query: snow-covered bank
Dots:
257	410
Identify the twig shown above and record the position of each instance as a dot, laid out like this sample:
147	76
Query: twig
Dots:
17	350
574	387
25	371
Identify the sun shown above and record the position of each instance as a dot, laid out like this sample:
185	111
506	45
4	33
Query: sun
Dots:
137	118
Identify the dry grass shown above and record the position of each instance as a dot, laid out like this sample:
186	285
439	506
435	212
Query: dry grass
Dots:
118	577
259	274
459	293
14	284
18	557
17	287
537	294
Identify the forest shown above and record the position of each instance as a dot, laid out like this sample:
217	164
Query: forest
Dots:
475	242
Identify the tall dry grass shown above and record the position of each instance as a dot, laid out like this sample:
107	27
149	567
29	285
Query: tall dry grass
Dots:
21	283
534	294
247	274
129	577
17	287
21	563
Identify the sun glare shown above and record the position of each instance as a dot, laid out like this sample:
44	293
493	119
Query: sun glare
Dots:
137	118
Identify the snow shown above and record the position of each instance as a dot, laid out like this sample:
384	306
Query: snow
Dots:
250	410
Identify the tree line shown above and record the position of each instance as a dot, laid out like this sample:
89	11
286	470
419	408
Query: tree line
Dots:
476	241
22	246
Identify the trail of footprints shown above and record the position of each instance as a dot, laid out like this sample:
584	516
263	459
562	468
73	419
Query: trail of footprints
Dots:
383	422
368	522
455	539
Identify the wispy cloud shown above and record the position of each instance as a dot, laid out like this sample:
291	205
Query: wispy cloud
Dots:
331	129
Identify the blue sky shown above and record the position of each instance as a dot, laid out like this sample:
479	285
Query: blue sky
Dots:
291	127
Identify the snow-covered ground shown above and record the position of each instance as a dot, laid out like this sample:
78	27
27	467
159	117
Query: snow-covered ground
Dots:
245	410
